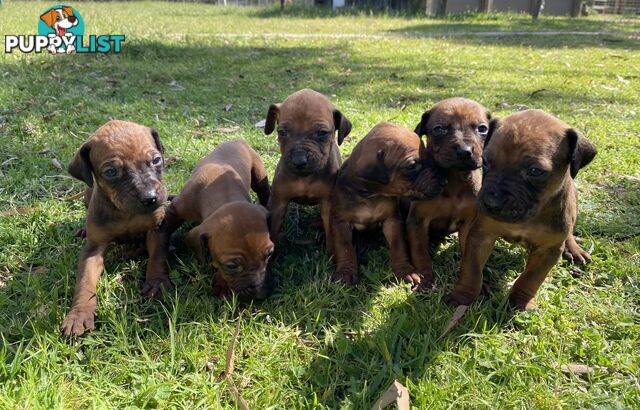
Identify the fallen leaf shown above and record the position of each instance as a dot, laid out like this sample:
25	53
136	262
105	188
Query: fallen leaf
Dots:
16	211
457	315
229	369
8	160
57	164
608	87
261	124
227	107
175	86
576	368
395	393
210	362
75	196
226	130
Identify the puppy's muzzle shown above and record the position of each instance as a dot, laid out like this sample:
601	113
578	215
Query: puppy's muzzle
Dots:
254	286
502	206
149	198
299	159
72	19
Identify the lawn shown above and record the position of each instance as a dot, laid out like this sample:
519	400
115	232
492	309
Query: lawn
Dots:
313	343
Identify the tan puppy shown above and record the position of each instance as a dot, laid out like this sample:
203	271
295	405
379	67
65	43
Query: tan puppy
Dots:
234	230
389	163
122	165
456	129
528	197
310	158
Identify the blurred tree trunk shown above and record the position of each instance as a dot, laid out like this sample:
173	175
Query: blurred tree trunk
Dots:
441	9
538	6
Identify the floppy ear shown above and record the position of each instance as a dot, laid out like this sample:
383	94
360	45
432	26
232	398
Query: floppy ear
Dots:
421	128
581	151
198	241
376	172
342	124
68	11
80	166
493	124
49	17
272	118
156	138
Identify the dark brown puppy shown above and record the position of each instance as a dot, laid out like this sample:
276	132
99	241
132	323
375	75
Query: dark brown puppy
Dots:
456	129
234	230
389	163
310	158
122	165
528	197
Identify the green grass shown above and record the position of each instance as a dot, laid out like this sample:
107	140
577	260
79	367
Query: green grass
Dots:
313	343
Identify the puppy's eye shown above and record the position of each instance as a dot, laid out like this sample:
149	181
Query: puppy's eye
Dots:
322	134
282	133
535	172
110	172
157	160
482	129
438	129
232	267
413	166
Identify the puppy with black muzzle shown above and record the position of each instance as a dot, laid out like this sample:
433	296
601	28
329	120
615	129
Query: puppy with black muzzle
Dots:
527	197
306	124
456	129
121	164
233	230
389	163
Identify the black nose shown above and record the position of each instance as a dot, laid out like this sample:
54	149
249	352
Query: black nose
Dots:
463	151
72	19
149	198
492	201
299	159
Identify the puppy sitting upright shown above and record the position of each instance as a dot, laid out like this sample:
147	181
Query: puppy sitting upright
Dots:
389	163
456	129
122	165
528	197
234	230
310	158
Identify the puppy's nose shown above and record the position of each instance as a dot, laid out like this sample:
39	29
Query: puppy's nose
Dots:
149	198
492	201
299	159
463	151
72	19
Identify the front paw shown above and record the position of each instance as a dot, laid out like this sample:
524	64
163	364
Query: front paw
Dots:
459	297
78	321
154	288
417	280
522	302
346	276
576	256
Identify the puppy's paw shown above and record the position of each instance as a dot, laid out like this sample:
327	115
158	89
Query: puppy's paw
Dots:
346	276
78	321
221	288
417	280
153	289
458	297
522	303
576	255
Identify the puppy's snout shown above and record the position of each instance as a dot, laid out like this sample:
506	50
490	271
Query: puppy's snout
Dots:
492	201
299	158
463	151
149	198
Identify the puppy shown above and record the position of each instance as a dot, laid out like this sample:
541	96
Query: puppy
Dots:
310	158
389	163
456	130
230	227
121	164
527	196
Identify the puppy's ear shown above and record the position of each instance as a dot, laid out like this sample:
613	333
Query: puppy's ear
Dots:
493	124
342	124
68	11
581	151
376	172
199	242
156	138
80	166
421	128
272	118
49	17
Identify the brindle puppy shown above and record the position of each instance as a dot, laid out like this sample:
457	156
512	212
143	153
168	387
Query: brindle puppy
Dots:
528	197
310	158
121	164
456	129
389	163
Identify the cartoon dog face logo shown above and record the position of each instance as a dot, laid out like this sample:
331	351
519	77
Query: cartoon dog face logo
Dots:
60	19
